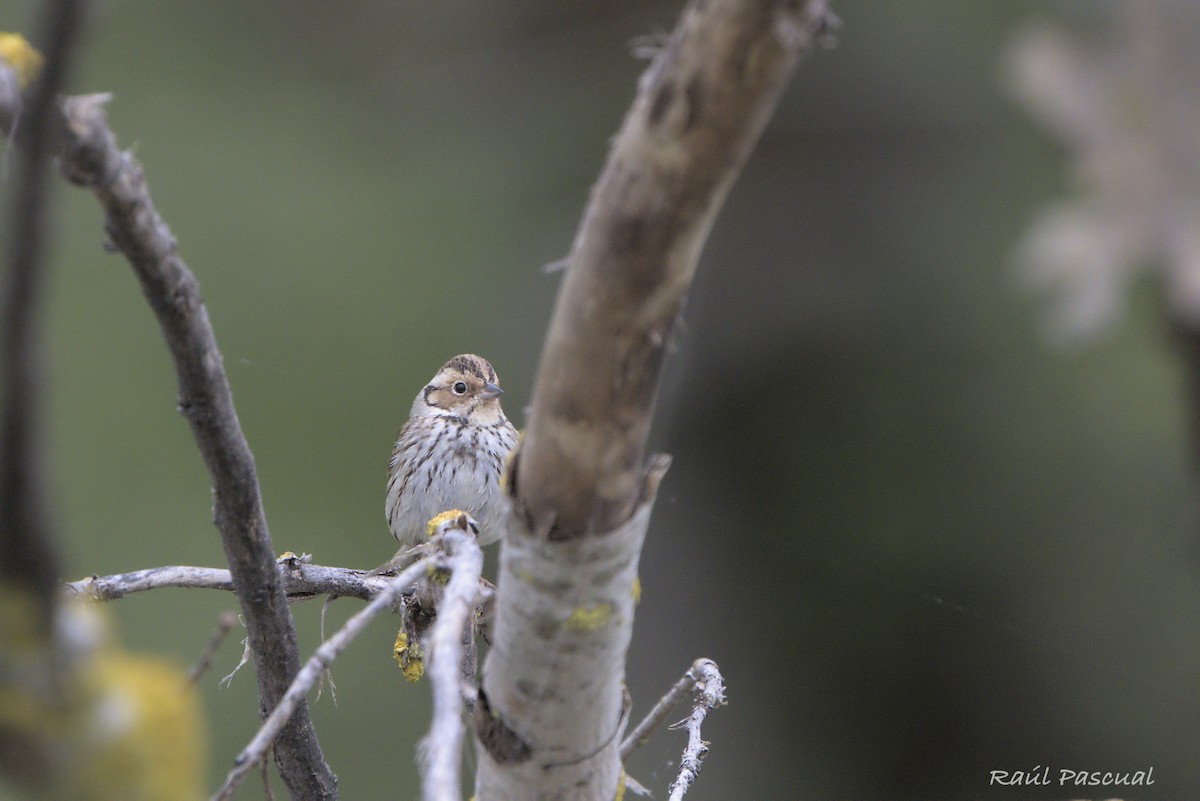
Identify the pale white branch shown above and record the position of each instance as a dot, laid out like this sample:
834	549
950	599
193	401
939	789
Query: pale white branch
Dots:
710	693
655	717
442	748
108	588
299	579
551	708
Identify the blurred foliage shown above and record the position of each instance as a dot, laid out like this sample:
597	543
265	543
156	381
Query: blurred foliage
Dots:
81	717
921	543
1123	97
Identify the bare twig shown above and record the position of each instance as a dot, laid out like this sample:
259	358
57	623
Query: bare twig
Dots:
227	679
686	683
28	559
632	785
327	674
224	626
442	748
703	678
109	588
710	693
299	580
329	650
91	158
265	776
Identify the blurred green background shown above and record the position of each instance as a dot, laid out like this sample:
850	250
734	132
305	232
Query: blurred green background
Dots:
922	543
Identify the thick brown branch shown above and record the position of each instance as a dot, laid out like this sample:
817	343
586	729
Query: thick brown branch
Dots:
700	108
92	159
27	556
551	709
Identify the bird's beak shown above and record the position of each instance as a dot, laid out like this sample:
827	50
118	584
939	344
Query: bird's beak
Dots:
490	391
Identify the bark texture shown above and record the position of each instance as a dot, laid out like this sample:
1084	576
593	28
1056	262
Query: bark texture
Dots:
91	158
552	708
700	108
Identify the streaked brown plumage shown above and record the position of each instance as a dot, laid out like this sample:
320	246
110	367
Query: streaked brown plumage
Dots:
450	453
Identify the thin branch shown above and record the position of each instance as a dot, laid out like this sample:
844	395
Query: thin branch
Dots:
710	693
299	580
265	776
109	588
91	158
632	785
224	626
442	748
28	559
308	675
637	738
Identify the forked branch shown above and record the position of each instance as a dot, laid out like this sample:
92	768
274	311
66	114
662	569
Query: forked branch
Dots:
455	551
551	711
90	158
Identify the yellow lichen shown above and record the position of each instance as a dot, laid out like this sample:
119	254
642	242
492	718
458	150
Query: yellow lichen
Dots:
590	618
120	725
142	735
434	522
620	786
436	574
635	591
409	657
21	55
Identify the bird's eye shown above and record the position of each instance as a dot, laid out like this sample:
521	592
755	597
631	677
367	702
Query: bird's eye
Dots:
459	388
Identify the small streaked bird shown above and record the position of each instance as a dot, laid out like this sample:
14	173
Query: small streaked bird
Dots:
450	453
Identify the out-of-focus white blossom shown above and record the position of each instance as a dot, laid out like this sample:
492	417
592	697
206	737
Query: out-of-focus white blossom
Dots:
1125	101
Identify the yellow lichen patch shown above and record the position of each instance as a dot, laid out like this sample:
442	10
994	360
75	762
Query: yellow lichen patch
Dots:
437	575
635	591
432	526
142	737
408	657
118	725
589	618
21	55
620	787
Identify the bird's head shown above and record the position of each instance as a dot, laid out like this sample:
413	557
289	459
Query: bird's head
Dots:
466	386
